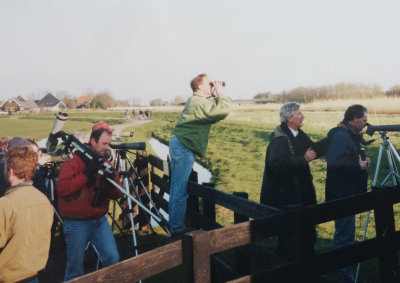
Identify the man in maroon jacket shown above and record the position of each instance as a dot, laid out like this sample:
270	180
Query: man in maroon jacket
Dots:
85	219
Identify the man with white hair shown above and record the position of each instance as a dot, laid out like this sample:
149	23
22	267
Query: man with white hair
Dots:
287	178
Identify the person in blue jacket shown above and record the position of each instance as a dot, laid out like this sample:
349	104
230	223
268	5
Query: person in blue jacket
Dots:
346	174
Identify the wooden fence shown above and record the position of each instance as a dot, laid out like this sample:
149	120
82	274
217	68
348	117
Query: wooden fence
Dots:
196	252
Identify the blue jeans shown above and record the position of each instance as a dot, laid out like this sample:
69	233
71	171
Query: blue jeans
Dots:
182	160
78	234
344	236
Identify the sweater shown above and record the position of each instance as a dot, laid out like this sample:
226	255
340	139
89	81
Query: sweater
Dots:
194	124
26	217
75	193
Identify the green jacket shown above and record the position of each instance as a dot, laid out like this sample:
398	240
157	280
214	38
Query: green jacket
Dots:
194	124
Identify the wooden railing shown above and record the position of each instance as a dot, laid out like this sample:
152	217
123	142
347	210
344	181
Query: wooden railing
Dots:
195	253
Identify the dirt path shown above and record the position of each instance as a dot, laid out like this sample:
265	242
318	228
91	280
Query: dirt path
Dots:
118	128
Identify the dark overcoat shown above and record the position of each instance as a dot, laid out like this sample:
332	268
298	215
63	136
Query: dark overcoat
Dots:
344	175
287	178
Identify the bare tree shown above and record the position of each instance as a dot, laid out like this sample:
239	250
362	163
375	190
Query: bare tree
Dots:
69	100
179	100
394	91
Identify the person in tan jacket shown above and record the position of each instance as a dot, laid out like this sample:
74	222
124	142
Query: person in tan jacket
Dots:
26	217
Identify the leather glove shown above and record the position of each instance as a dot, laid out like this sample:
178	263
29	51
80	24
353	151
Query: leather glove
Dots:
92	169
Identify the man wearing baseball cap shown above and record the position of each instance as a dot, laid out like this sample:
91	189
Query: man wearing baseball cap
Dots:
38	181
85	219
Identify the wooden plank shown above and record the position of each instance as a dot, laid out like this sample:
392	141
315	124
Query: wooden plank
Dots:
229	237
156	162
221	271
198	220
139	267
321	213
319	264
244	207
244	279
238	218
160	182
159	201
209	206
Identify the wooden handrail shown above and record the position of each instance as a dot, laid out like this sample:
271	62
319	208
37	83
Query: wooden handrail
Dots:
137	268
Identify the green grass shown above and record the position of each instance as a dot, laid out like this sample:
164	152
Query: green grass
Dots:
38	126
235	154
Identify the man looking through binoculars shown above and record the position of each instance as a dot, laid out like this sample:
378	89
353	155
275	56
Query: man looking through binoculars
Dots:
191	137
83	203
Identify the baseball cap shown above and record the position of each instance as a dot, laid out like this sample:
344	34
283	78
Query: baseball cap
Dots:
102	125
17	142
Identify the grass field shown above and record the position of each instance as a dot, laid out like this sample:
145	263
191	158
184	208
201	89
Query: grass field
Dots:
237	146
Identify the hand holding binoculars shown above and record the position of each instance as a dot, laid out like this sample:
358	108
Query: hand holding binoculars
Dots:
212	84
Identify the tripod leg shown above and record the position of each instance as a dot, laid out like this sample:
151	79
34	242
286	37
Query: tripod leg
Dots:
378	163
139	178
146	192
391	165
118	227
112	217
135	246
97	253
160	219
390	151
127	193
138	197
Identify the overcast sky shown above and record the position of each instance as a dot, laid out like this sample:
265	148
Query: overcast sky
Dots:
147	49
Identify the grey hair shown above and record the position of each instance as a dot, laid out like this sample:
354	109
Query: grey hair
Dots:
286	111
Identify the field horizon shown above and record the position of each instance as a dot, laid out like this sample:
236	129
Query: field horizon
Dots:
237	145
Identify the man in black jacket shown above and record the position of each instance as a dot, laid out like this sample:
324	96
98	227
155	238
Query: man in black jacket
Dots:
287	178
346	174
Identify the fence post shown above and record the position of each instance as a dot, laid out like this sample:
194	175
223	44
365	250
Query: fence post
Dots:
242	254
208	206
385	233
192	201
237	217
196	257
301	241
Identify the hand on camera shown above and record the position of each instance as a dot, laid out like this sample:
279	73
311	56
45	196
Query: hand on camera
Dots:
91	170
364	164
43	158
310	155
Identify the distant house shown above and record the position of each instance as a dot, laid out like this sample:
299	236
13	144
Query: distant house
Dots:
12	104
16	104
50	102
84	102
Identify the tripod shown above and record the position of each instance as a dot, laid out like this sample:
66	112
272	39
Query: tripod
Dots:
122	160
392	157
50	180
